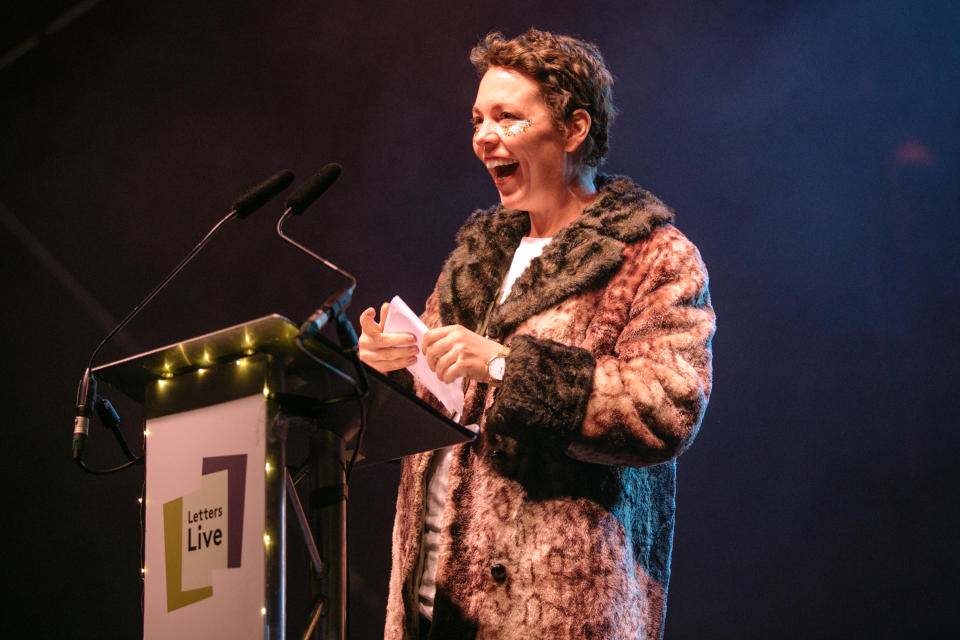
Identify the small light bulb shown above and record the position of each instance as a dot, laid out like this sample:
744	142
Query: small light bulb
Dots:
140	500
201	371
266	538
267	466
146	432
263	611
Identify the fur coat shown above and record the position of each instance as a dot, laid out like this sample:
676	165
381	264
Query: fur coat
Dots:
558	521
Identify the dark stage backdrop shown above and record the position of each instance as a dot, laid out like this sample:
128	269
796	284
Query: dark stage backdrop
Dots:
809	148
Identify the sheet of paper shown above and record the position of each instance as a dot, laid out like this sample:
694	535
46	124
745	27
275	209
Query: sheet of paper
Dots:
401	319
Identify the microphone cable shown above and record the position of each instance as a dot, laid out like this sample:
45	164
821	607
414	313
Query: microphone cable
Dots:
88	399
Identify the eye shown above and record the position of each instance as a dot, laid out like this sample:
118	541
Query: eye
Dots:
506	115
475	122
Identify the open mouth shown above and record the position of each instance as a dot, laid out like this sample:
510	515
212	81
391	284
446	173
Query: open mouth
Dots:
506	170
503	168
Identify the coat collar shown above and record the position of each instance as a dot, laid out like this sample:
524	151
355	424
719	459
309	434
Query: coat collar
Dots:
582	254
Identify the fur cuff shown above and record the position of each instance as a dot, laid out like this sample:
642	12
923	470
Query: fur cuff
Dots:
543	397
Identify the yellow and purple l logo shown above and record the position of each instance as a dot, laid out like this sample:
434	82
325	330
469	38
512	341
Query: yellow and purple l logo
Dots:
203	530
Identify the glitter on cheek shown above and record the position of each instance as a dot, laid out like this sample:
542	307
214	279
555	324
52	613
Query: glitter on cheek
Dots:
516	128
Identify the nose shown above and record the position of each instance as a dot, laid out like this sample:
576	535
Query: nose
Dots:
487	133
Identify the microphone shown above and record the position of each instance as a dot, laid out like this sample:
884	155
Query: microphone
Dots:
262	193
313	188
87	391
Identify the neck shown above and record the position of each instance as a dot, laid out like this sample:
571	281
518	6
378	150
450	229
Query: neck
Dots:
566	208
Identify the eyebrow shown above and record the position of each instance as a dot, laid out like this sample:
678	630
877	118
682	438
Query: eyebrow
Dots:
502	106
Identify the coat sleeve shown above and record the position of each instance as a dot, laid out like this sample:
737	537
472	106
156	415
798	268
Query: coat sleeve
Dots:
635	390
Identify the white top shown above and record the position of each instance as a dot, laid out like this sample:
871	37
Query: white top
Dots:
438	474
529	249
439	471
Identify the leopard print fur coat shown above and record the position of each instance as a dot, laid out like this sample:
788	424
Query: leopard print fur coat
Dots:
559	518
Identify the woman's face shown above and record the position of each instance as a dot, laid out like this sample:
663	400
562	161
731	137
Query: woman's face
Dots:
516	139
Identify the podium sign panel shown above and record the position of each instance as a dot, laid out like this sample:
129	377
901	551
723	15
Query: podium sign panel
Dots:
205	526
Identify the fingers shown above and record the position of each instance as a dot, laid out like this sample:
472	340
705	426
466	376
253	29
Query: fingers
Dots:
384	310
373	331
450	365
431	337
436	344
388	359
384	352
368	324
454	351
397	340
387	362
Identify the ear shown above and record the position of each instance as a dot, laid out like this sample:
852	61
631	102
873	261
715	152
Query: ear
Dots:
576	129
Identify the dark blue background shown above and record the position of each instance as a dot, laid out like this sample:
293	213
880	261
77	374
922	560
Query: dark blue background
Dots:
809	148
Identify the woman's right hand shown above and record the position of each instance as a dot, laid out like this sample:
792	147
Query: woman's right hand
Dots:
384	352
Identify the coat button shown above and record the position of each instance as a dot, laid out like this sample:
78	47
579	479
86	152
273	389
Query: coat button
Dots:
499	572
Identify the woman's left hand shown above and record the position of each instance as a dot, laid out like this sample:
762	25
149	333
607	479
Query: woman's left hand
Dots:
455	351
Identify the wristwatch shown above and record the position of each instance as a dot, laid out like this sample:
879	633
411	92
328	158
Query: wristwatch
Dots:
497	365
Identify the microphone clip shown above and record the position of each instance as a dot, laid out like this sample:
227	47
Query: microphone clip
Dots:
333	308
86	398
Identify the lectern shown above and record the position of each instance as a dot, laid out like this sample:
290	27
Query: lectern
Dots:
225	413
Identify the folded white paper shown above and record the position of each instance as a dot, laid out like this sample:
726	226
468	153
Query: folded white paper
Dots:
402	320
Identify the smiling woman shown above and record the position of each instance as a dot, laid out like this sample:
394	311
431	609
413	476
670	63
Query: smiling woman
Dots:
580	320
527	155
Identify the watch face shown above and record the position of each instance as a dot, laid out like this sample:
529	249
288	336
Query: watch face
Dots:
497	366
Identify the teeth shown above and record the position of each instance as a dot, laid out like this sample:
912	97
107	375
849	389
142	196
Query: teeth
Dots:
493	163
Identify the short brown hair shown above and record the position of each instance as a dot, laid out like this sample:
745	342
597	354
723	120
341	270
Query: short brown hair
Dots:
571	73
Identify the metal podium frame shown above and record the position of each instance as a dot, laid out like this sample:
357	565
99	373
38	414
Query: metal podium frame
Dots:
304	395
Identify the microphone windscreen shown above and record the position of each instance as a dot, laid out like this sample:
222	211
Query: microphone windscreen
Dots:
262	193
313	188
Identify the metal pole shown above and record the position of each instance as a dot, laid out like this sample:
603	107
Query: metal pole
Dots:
275	537
328	522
